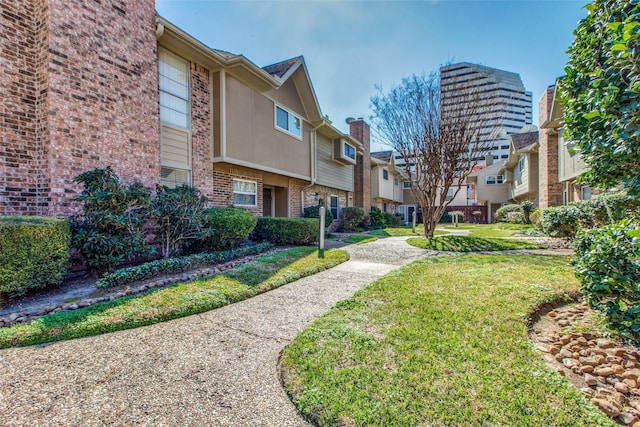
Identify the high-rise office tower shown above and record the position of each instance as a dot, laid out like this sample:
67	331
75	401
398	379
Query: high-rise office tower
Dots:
506	104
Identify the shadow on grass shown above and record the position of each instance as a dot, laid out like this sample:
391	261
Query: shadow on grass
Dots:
469	244
174	301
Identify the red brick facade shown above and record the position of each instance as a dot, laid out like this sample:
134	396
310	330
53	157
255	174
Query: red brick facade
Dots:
550	190
201	166
80	92
360	131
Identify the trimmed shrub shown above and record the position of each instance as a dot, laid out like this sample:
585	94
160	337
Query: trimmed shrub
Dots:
314	212
109	230
376	218
177	265
225	228
34	253
286	231
502	213
352	218
608	209
607	263
561	221
515	217
391	220
536	218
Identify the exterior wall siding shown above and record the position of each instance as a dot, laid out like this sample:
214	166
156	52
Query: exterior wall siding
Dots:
331	173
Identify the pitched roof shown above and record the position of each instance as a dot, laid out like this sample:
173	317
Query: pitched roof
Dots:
279	69
524	141
383	155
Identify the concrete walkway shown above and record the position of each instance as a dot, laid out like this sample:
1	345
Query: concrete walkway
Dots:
214	369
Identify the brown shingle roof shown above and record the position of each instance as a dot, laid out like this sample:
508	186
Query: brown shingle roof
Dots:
279	69
383	155
522	141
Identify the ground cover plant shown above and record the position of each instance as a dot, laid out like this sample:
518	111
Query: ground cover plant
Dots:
440	342
469	244
182	299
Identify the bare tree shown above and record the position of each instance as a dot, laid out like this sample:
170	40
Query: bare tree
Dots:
437	130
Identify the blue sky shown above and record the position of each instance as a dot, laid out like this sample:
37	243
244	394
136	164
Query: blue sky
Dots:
352	46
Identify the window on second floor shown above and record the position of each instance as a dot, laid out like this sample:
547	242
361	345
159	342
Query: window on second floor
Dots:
396	183
385	174
449	194
521	162
174	90
406	185
349	151
288	122
494	179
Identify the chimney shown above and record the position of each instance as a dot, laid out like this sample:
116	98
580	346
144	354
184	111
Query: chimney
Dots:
360	131
488	159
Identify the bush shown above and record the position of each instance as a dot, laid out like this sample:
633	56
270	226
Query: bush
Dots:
502	213
352	218
314	212
607	263
109	230
561	221
376	218
179	217
390	219
35	253
608	209
445	218
225	228
287	231
526	207
176	265
536	218
515	217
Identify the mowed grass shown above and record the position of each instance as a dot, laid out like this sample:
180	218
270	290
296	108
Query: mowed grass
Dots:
469	244
179	300
360	239
490	230
403	231
440	342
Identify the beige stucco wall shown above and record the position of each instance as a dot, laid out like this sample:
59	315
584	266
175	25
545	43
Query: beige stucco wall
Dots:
569	165
251	135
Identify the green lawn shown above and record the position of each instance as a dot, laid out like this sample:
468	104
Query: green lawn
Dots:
182	299
360	239
402	231
469	244
440	342
489	230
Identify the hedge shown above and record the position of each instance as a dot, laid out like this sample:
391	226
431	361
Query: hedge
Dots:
352	217
226	228
314	212
34	253
176	265
286	231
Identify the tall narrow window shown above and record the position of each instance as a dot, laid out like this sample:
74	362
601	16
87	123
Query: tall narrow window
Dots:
385	174
174	90
334	206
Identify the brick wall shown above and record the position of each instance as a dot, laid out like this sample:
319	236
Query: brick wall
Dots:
295	197
103	93
22	39
223	175
202	169
359	130
549	189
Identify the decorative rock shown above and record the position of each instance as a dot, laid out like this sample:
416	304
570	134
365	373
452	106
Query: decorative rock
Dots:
630	383
13	317
562	323
588	361
604	343
566	354
570	363
590	380
587	391
606	407
586	369
618	352
632	374
617	369
603	372
73	306
622	387
554	349
629	364
565	339
553	314
627	418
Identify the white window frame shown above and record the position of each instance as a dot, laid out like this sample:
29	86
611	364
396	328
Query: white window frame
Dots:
168	91
337	199
406	185
521	162
244	192
385	174
289	115
344	149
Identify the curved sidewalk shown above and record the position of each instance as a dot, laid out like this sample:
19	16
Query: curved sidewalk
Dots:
216	369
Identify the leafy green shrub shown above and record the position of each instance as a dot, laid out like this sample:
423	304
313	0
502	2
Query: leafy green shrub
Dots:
608	209
561	221
176	265
501	213
225	228
515	217
526	208
314	212
607	263
179	217
351	218
536	218
109	230
376	217
287	231
390	219
35	253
